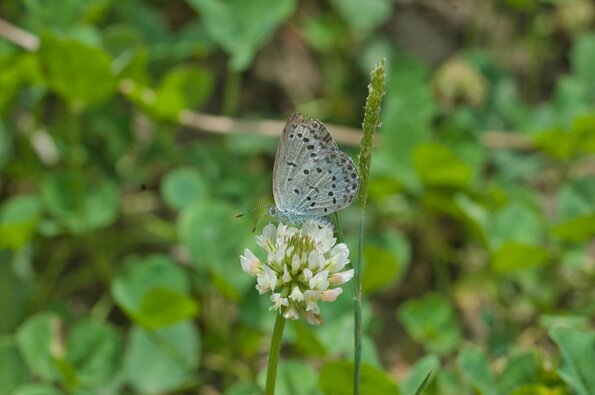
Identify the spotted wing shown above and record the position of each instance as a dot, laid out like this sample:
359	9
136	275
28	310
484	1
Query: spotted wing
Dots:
302	142
324	185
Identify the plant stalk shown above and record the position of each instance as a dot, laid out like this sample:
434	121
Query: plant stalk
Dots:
274	353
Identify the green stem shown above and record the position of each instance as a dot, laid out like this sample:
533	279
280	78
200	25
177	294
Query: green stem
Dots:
274	355
357	311
340	236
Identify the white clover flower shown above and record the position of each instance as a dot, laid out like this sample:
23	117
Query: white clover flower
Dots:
250	263
300	266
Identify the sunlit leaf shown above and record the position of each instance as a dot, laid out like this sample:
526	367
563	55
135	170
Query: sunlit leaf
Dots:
512	256
437	165
163	306
18	220
182	88
153	291
78	72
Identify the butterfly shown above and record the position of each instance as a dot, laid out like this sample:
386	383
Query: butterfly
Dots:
312	178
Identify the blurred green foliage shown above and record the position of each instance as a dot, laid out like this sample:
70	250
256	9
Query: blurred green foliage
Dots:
119	269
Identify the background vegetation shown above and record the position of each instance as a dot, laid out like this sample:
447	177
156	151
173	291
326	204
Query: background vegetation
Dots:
119	268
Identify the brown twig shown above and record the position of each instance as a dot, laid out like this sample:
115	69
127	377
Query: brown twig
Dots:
18	36
226	125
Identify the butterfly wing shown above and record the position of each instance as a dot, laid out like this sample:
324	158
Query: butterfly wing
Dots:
302	142
324	185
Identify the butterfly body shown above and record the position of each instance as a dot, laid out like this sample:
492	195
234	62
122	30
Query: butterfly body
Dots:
312	178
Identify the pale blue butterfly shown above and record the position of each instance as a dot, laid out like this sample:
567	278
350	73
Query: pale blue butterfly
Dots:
311	177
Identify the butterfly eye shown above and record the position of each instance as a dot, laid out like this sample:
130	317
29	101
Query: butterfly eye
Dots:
273	211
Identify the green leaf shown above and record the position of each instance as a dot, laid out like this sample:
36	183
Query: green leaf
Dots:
475	368
437	165
385	264
568	144
243	388
94	350
293	377
577	348
19	216
579	229
37	389
242	27
163	360
16	285
182	187
39	342
62	14
181	88
363	15
516	222
13	372
576	198
512	256
419	374
431	321
80	203
153	291
538	389
583	58
520	370
215	240
406	118
18	71
77	72
163	306
336	378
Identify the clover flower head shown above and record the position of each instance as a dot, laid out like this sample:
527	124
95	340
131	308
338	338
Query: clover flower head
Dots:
303	266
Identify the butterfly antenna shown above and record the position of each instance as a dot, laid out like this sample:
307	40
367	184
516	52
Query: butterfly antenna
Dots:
251	211
258	222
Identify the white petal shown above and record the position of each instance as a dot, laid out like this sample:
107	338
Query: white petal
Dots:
281	230
341	277
266	241
313	319
296	264
286	276
310	298
291	313
250	263
306	275
330	295
296	294
319	281
267	280
278	301
338	258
